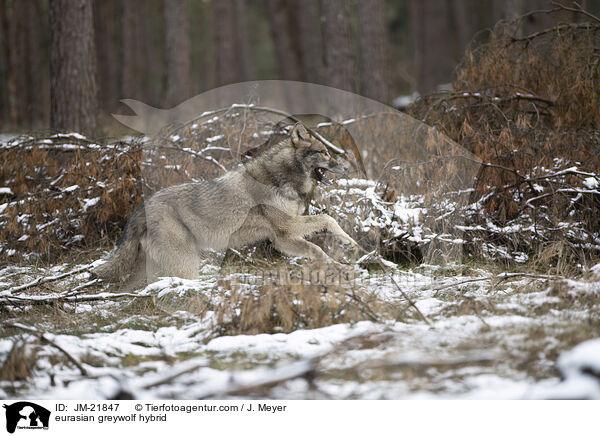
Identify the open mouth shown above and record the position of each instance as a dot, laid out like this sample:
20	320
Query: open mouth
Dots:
319	175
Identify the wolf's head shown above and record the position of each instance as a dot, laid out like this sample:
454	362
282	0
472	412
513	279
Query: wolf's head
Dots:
314	156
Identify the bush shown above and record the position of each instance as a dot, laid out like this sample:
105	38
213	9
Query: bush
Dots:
530	107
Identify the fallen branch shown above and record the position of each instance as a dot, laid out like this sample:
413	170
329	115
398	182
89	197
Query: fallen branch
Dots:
42	280
498	278
170	378
65	298
304	369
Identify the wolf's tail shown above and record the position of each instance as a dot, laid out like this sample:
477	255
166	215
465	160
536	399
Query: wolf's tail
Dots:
126	257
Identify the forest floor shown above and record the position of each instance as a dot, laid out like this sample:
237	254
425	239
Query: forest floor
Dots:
478	333
509	325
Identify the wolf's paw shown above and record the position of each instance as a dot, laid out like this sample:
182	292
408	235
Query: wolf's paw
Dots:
347	240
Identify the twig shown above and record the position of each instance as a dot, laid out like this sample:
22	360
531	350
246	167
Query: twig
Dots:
451	285
409	363
44	338
41	280
365	308
579	10
554	29
193	153
405	295
85	285
514	97
37	301
499	278
271	110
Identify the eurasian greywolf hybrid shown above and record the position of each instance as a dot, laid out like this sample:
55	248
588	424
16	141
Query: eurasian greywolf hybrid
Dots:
261	200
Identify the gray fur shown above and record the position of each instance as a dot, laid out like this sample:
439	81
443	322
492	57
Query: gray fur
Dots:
261	200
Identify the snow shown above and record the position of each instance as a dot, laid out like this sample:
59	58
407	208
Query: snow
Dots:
479	329
89	202
591	182
214	138
71	188
584	357
6	191
452	350
304	343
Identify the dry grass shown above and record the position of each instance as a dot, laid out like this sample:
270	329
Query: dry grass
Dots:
19	362
287	301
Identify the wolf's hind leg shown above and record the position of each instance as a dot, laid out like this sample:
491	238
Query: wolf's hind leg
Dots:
172	253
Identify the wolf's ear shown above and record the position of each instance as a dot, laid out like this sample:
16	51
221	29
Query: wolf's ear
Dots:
300	136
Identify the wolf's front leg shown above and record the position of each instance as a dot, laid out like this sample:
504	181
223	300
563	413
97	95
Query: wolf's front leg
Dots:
301	247
310	224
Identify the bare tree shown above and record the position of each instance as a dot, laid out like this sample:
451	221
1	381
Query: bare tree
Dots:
106	50
463	20
373	44
308	35
224	43
242	42
4	96
431	42
505	9
338	50
177	48
130	62
17	57
288	63
38	78
74	93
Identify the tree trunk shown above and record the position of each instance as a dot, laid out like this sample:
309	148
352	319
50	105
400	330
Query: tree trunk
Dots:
338	54
224	48
505	10
431	44
4	66
308	34
39	70
242	43
107	54
177	50
18	71
129	52
463	23
373	43
74	93
288	63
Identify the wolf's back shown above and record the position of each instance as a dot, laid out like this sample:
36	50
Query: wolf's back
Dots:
125	258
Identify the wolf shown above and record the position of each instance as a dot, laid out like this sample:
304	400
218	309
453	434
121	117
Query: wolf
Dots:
261	200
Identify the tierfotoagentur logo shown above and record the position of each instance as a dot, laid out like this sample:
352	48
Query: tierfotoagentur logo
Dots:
26	415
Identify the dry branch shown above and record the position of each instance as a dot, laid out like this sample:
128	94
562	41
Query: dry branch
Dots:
66	298
498	279
304	369
43	280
